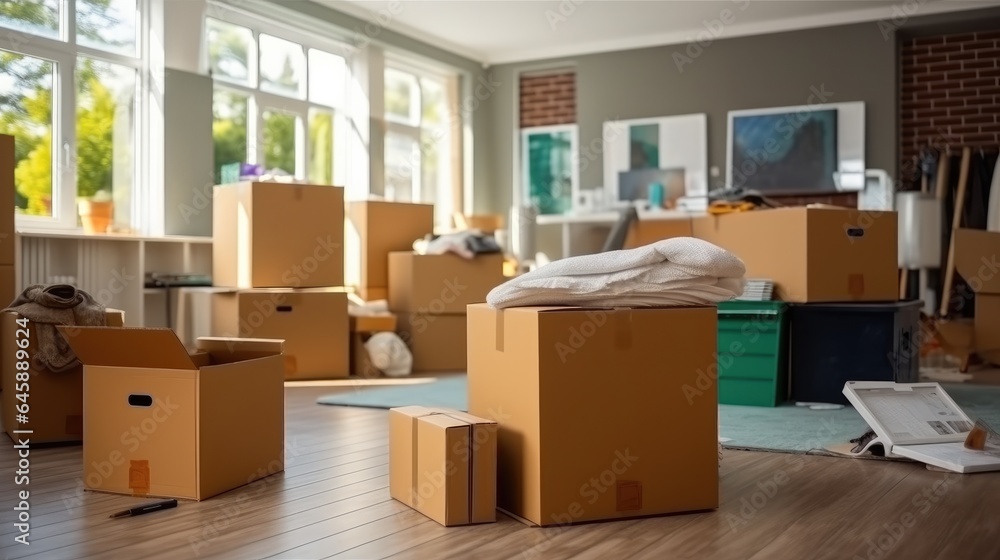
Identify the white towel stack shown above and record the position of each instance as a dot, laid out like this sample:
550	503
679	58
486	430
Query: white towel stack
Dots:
677	271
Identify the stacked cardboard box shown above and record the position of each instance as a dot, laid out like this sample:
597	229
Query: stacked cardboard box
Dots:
7	280
976	260
362	329
280	249
375	229
430	294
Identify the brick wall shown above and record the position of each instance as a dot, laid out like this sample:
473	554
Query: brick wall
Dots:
548	99
950	93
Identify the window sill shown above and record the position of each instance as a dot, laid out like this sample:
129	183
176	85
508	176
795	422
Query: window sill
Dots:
78	233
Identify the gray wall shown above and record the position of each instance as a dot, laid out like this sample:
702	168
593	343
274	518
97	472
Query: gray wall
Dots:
854	62
188	152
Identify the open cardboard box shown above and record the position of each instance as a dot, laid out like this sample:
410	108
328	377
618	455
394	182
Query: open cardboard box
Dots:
976	253
160	421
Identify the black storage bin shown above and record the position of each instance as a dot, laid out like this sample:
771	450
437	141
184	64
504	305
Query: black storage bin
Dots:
833	343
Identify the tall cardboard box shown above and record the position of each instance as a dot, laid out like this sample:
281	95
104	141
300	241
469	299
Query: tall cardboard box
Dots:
375	229
313	322
443	463
55	400
813	254
278	235
430	294
7	193
602	414
977	253
160	421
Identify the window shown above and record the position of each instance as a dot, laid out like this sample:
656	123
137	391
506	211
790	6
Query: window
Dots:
278	102
419	143
78	139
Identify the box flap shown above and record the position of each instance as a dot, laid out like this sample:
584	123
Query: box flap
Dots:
373	323
216	344
976	259
128	347
908	413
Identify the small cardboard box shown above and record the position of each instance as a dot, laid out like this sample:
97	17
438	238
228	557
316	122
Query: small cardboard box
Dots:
362	328
976	259
55	400
441	283
162	422
377	228
645	232
813	254
273	235
7	166
443	463
602	414
438	342
313	322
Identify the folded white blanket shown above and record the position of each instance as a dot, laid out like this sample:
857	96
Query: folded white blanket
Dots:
677	271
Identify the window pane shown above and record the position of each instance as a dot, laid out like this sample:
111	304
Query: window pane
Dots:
434	109
327	78
105	111
320	147
108	25
402	168
26	114
232	54
282	66
279	141
38	17
229	129
402	97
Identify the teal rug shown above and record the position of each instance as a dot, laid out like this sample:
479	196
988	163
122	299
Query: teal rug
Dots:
789	429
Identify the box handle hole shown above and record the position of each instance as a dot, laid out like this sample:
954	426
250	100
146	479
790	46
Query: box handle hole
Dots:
140	400
855	232
284	308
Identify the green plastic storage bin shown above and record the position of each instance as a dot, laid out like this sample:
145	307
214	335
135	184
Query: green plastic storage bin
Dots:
753	353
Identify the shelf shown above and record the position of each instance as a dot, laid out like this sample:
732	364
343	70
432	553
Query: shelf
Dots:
79	234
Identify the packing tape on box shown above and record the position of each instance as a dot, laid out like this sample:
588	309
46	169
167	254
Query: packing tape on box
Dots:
856	285
138	477
622	318
499	336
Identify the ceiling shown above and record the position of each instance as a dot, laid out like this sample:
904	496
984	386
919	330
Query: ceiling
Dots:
499	31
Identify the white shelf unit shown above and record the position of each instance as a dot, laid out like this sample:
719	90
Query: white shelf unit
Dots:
113	267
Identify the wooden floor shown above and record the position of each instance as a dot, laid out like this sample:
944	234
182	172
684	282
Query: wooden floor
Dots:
332	501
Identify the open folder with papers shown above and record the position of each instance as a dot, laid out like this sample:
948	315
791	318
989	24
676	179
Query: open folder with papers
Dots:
919	421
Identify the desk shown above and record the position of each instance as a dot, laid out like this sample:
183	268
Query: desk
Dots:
603	219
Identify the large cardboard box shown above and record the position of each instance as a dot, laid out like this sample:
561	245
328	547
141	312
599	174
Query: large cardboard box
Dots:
813	254
160	421
362	329
269	235
55	400
645	232
442	463
7	165
8	283
313	322
441	283
437	342
976	257
602	414
377	228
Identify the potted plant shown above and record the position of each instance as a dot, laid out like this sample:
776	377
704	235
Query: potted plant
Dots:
96	212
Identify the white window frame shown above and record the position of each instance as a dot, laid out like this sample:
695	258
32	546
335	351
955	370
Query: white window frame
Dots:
64	52
261	100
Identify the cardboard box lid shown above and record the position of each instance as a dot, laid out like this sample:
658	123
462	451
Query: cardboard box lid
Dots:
976	254
222	344
157	348
416	411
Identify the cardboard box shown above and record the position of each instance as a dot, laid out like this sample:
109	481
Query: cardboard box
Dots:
162	422
441	283
377	228
362	328
8	283
269	235
55	400
602	414
438	342
645	232
7	166
443	463
813	254
313	323
369	293
976	256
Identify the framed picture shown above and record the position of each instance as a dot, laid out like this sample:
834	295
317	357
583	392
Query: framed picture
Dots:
804	149
550	178
669	151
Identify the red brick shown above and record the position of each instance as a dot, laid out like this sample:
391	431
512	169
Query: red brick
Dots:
948	121
914	105
987	73
944	67
941	84
910	50
960	38
981	82
979	45
981	100
949	103
995	128
990	91
988	35
963	75
933	58
978	64
962	92
931	94
949	48
987	54
964	55
965	129
979	120
963	111
984	137
939	40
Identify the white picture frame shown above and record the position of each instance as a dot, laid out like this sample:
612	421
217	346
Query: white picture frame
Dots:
683	144
572	163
